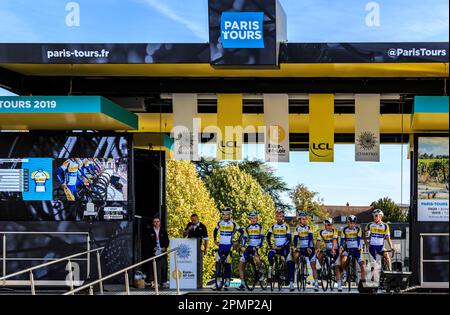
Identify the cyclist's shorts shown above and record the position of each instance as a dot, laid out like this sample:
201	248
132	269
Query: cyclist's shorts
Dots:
285	251
335	257
374	250
249	251
224	250
355	252
309	256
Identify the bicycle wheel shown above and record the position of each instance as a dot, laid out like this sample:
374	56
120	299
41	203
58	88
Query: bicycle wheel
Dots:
220	275
263	283
250	275
325	275
273	275
302	275
351	270
281	273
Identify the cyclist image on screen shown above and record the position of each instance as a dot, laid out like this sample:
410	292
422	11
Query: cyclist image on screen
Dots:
351	244
252	240
376	232
71	176
329	235
226	230
304	245
282	239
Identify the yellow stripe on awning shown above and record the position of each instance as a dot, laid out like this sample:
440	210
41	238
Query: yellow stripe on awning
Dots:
345	70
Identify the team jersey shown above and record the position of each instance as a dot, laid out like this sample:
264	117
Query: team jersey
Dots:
40	177
377	233
303	237
281	234
226	230
351	238
327	237
254	234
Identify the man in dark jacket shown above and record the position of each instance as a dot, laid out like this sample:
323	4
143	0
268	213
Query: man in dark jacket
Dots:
158	242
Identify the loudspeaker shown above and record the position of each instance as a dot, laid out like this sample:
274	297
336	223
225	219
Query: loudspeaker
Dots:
394	280
367	287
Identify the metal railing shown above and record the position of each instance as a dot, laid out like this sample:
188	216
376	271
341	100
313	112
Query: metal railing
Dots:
425	261
124	271
5	239
69	259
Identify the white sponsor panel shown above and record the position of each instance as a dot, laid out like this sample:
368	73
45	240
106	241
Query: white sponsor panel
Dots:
184	133
432	210
276	121
187	263
367	127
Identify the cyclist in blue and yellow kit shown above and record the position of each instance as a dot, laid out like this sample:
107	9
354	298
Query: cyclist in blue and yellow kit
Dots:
351	243
376	232
304	245
282	239
330	236
226	229
252	240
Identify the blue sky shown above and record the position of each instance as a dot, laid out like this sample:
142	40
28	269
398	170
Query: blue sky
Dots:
134	21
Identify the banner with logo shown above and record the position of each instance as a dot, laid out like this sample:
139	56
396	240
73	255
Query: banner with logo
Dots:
432	179
184	132
367	127
230	131
321	128
276	121
186	256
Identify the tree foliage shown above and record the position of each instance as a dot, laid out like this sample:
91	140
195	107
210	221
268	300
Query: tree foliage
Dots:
260	171
307	201
187	194
392	212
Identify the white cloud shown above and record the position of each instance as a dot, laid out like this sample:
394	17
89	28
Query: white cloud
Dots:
196	28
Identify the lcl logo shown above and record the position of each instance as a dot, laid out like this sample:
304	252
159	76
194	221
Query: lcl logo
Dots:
228	144
321	149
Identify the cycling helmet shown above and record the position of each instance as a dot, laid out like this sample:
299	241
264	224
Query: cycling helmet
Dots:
351	219
378	211
226	210
328	221
302	214
253	214
279	211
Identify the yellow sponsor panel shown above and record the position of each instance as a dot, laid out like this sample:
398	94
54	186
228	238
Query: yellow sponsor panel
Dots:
321	128
229	122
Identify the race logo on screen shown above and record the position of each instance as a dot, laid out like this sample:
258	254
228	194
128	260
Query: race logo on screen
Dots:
242	30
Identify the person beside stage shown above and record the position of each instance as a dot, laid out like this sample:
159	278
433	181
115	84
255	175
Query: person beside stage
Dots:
158	244
196	229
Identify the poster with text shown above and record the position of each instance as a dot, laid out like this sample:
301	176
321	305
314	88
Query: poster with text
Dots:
432	179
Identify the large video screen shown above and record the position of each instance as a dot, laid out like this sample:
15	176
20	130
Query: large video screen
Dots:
433	179
76	176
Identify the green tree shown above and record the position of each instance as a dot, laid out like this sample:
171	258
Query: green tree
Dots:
187	194
269	182
259	170
307	201
392	212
